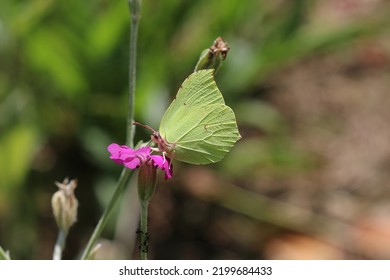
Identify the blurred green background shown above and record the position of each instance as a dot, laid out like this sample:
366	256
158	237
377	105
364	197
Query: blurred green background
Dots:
308	80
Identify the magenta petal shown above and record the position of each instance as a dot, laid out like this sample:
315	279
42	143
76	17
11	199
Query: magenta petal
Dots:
132	163
158	161
115	151
139	157
135	158
164	164
168	167
144	151
113	148
128	157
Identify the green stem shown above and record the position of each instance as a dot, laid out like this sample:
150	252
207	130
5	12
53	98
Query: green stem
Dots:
60	245
135	11
144	230
122	182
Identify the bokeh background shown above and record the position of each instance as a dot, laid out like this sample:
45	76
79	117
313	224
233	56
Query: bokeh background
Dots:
309	82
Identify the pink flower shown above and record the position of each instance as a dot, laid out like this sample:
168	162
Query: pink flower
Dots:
133	159
164	163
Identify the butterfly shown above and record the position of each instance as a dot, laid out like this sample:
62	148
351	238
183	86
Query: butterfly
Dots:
198	127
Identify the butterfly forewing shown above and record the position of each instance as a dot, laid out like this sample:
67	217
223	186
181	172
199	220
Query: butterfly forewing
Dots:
198	89
203	134
199	124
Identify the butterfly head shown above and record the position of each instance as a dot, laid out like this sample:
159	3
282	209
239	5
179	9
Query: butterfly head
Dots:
162	144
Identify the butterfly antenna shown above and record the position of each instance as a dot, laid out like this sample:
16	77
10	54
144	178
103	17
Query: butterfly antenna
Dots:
145	126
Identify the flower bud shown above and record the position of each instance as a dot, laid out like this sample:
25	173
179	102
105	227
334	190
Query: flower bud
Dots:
212	57
147	180
64	204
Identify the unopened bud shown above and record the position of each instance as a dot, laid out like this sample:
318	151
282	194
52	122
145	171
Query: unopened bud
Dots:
147	180
64	204
212	57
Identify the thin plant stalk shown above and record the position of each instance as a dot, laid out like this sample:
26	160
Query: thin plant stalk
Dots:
144	230
119	190
135	11
60	245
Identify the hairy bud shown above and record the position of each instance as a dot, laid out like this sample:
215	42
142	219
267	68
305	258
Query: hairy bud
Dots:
212	57
64	204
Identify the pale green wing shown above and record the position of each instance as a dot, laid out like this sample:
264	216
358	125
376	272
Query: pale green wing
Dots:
203	134
198	89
